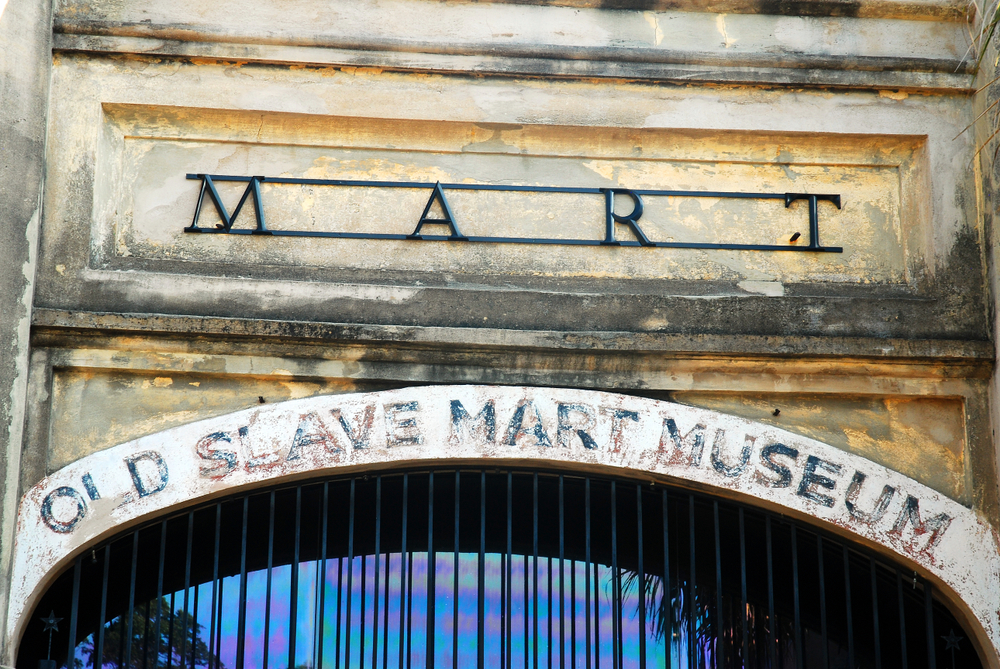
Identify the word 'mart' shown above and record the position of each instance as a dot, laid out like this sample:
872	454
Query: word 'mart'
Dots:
450	221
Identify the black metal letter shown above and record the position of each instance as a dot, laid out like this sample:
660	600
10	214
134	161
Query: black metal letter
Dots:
449	217
253	188
610	217
813	212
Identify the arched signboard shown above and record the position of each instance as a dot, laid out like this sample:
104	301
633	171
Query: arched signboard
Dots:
101	493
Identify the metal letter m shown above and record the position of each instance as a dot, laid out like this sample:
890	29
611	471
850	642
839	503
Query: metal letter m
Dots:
208	185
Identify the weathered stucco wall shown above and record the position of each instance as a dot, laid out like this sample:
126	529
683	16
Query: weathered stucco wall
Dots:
987	168
121	137
25	33
924	420
883	352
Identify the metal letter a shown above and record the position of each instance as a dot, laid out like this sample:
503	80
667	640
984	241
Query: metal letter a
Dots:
449	217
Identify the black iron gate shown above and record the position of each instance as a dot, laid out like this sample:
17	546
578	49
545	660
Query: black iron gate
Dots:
507	569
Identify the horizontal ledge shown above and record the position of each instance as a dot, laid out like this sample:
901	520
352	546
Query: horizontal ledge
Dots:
761	55
627	64
905	350
928	10
607	52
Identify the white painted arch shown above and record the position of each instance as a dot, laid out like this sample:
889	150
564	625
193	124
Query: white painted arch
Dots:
105	492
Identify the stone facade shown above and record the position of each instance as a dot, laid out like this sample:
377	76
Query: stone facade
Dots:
118	325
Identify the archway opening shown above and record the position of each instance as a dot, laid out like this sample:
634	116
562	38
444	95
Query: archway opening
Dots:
517	569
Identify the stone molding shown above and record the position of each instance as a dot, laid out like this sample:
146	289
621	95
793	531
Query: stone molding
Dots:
109	491
886	44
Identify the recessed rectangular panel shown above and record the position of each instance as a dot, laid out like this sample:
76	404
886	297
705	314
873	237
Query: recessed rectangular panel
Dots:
93	409
923	437
153	151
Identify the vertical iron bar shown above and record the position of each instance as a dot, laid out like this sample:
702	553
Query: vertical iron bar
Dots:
350	575
145	635
121	641
217	611
875	626
572	612
525	617
216	591
270	568
340	601
318	586
482	570
720	647
404	599
409	611
744	640
99	646
324	519
431	569
743	592
159	591
504	613
772	632
822	603
562	574
597	619
641	580
548	612
454	591
409	589
363	611
796	623
385	608
187	586
194	629
692	609
929	625
668	609
378	569
127	640
850	608
534	567
242	620
616	603
293	604
586	558
170	632
73	614
902	621
510	568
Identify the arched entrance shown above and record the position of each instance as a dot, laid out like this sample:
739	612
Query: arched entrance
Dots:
554	569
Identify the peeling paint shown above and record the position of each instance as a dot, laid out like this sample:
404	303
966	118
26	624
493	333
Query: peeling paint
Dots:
769	288
320	435
720	25
654	22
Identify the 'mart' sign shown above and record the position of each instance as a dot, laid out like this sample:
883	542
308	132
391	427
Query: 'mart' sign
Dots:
447	219
480	425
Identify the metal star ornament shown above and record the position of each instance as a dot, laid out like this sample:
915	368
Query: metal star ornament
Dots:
51	623
951	641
